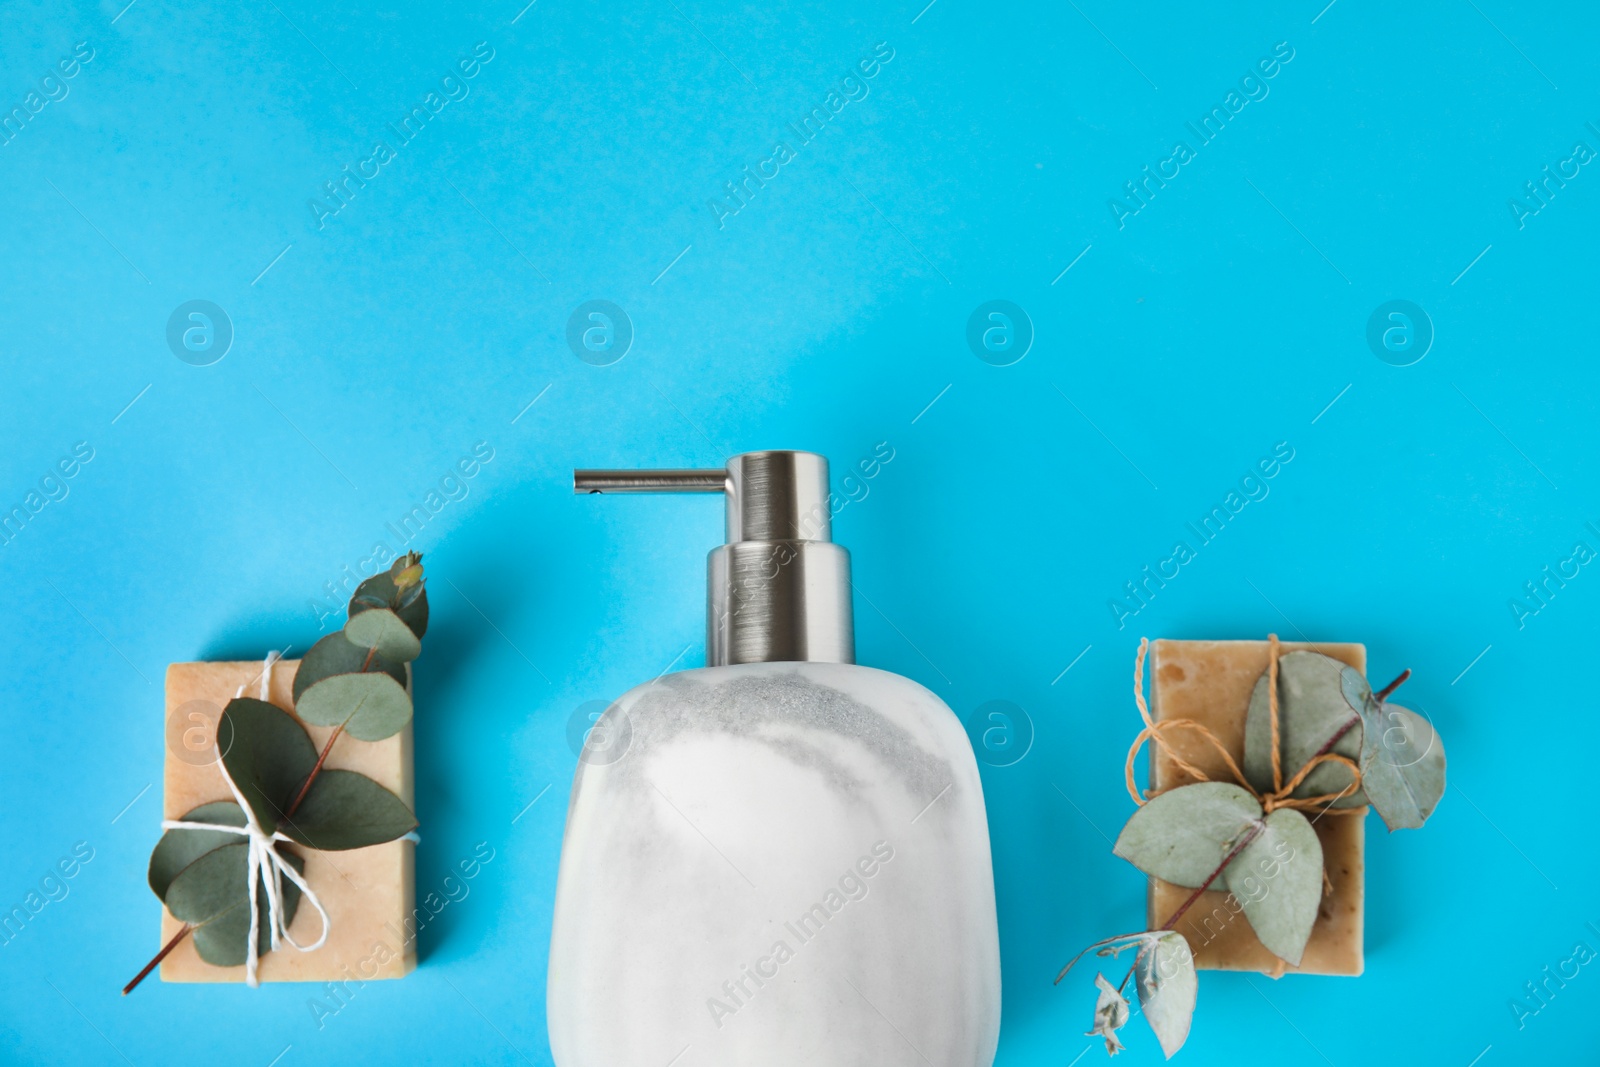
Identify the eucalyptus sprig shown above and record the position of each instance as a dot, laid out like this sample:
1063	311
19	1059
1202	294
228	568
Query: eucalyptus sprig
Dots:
1163	970
353	680
1340	746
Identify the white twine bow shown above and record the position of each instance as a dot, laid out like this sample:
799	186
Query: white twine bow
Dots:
262	856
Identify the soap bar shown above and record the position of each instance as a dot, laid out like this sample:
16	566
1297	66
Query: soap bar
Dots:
1210	682
369	893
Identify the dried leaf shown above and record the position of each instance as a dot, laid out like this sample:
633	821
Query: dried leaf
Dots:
1163	972
1277	878
1110	1015
1312	707
1183	835
1402	765
1357	691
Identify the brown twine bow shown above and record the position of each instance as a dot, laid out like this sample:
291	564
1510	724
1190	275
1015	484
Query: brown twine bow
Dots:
1280	796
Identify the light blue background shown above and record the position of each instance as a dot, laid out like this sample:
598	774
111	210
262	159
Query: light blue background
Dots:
827	314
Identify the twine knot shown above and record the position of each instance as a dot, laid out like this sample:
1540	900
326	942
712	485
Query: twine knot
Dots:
1279	797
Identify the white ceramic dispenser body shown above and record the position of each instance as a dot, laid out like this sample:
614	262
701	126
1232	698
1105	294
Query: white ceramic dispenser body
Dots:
788	866
782	861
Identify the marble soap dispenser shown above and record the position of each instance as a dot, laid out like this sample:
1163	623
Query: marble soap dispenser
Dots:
782	858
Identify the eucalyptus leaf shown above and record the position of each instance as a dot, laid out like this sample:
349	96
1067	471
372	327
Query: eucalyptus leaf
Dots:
344	810
1402	765
1357	691
210	885
371	706
179	848
334	654
1312	707
1110	1014
211	893
1181	836
383	630
1163	972
268	755
410	602
1277	878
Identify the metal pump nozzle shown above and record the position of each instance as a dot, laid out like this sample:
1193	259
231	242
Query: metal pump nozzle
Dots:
779	589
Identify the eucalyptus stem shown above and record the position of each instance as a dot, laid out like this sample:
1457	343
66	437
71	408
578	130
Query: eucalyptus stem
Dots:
1238	847
1170	924
179	936
1097	944
1327	746
1131	968
1355	720
1383	694
315	770
327	748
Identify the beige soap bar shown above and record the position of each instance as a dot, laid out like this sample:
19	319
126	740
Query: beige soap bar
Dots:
1210	682
369	893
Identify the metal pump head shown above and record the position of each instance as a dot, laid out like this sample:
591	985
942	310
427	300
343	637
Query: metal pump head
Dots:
779	589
